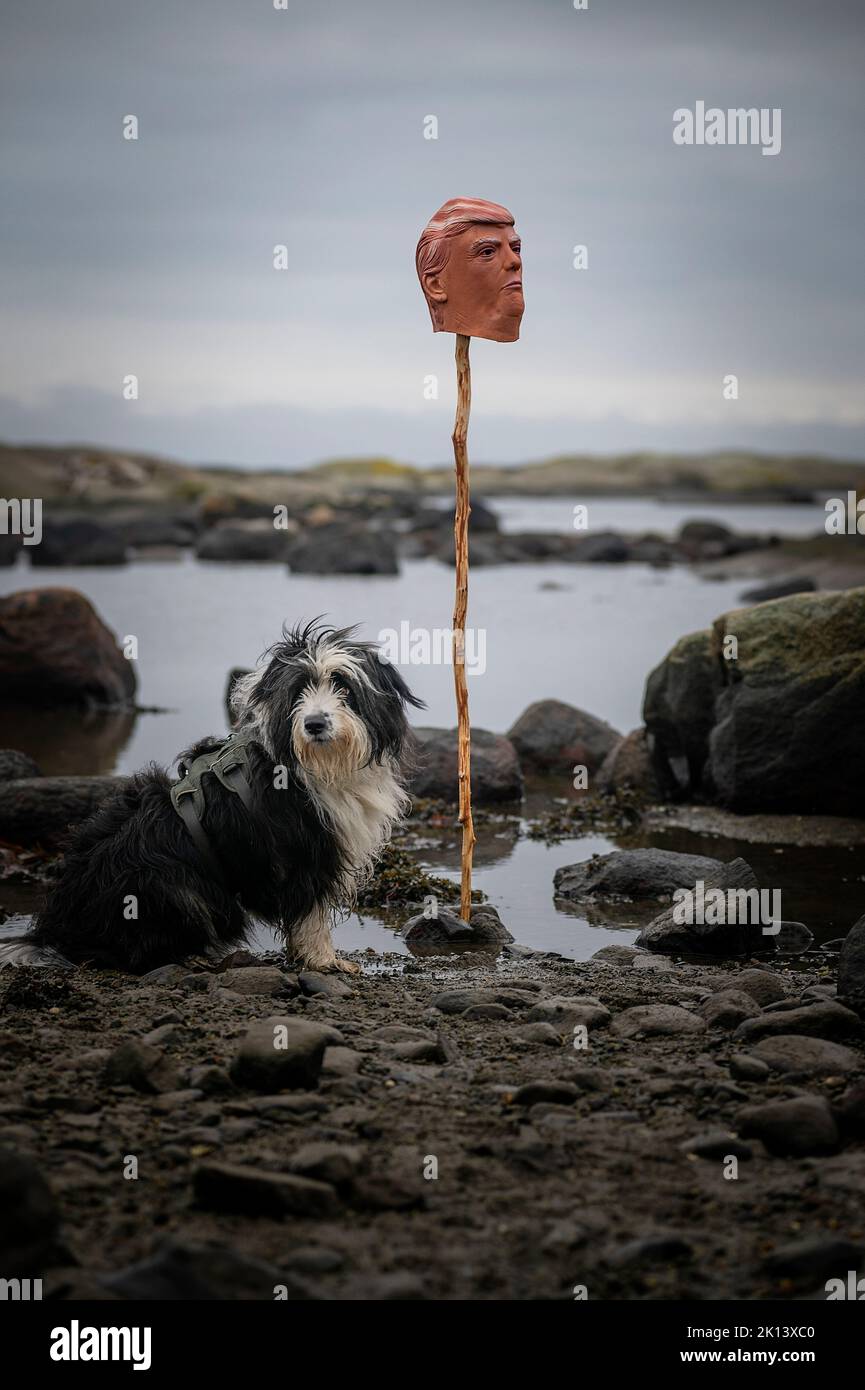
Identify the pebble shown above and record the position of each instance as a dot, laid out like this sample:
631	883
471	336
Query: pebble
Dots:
166	1033
747	1068
144	1068
717	1144
567	1013
801	1126
329	986
255	1191
456	1001
806	1056
533	1092
341	1061
817	1020
815	1257
657	1021
211	1080
728	1009
421	1052
331	1163
762	985
621	956
487	1013
543	1033
282	1053
181	1270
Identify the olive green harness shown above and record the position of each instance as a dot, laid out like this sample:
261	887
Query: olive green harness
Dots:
229	764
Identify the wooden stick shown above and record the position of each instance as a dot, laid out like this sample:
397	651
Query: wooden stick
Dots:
461	546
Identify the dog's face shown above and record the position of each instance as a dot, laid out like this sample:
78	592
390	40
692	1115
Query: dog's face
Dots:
326	703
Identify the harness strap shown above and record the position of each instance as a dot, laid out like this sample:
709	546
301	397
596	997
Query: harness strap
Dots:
185	808
228	764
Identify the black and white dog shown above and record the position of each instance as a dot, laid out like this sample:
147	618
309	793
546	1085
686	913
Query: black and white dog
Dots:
323	722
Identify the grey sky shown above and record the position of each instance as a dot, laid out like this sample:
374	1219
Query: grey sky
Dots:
305	127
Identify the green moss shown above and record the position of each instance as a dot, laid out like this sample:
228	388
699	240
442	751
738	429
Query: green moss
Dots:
398	879
613	812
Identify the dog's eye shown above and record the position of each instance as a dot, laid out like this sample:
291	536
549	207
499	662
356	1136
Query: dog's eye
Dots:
342	688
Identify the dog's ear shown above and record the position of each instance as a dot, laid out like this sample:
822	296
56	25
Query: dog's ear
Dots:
390	682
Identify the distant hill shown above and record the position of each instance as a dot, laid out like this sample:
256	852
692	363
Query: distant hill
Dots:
79	475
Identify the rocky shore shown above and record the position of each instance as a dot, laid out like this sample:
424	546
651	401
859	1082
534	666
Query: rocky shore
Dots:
634	1127
366	526
680	1119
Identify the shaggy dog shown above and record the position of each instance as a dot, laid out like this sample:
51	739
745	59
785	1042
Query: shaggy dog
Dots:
322	726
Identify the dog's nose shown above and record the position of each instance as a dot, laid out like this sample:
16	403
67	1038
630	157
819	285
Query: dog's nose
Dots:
315	724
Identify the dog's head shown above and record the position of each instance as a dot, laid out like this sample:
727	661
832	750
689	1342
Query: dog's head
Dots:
325	702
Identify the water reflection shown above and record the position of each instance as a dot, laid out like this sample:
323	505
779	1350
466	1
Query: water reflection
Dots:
68	742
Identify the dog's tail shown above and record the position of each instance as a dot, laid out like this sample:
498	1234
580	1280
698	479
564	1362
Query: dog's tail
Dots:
19	946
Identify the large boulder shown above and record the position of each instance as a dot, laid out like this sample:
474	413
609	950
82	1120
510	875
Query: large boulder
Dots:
78	541
343	549
447	930
777	725
678	709
243	540
157	527
633	875
629	767
704	540
39	810
481	518
678	930
55	650
495	767
600	548
551	736
788	731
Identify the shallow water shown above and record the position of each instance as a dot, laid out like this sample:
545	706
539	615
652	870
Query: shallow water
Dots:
587	634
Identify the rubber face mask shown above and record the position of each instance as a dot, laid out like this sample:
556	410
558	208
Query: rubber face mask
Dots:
469	263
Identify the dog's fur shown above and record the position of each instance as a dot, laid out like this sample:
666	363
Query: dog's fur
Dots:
327	717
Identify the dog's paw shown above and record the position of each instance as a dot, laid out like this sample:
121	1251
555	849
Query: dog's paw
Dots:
325	967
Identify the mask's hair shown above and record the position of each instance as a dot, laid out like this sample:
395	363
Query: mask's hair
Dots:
453	217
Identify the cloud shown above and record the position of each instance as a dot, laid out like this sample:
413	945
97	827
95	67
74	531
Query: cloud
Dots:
305	128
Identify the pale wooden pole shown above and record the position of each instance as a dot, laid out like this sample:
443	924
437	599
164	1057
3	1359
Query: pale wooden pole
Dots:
461	547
